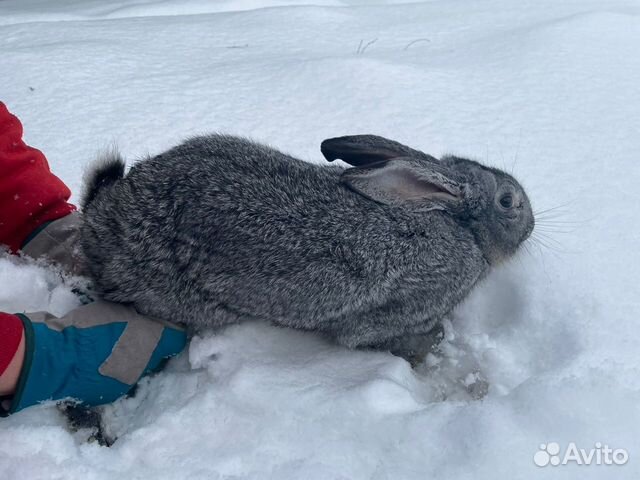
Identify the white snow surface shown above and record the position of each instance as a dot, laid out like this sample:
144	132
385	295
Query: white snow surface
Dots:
546	88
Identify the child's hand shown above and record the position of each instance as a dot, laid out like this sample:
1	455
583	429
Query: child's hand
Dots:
94	354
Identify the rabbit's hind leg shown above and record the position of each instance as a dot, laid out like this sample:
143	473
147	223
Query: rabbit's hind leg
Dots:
80	417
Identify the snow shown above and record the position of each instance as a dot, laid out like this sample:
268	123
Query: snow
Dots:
546	88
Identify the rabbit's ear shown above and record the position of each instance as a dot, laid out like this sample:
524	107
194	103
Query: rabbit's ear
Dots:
403	181
363	150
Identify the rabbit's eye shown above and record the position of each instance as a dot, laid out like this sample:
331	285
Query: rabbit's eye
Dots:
506	200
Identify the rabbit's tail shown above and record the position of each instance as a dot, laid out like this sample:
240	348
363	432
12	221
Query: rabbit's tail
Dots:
105	171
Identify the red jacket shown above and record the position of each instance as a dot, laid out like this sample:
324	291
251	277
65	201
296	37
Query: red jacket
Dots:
30	195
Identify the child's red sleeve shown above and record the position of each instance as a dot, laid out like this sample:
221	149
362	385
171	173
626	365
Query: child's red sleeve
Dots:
30	195
10	336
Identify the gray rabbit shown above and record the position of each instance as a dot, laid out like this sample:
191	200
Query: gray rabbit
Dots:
221	229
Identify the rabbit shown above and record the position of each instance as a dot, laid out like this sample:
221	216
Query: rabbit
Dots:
221	229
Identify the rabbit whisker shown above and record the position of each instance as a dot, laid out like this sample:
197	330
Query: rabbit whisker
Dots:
540	212
555	228
550	243
515	158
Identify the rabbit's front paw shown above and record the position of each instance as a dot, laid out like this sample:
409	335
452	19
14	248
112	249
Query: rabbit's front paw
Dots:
415	347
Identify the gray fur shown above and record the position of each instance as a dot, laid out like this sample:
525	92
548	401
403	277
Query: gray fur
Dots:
107	169
220	229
